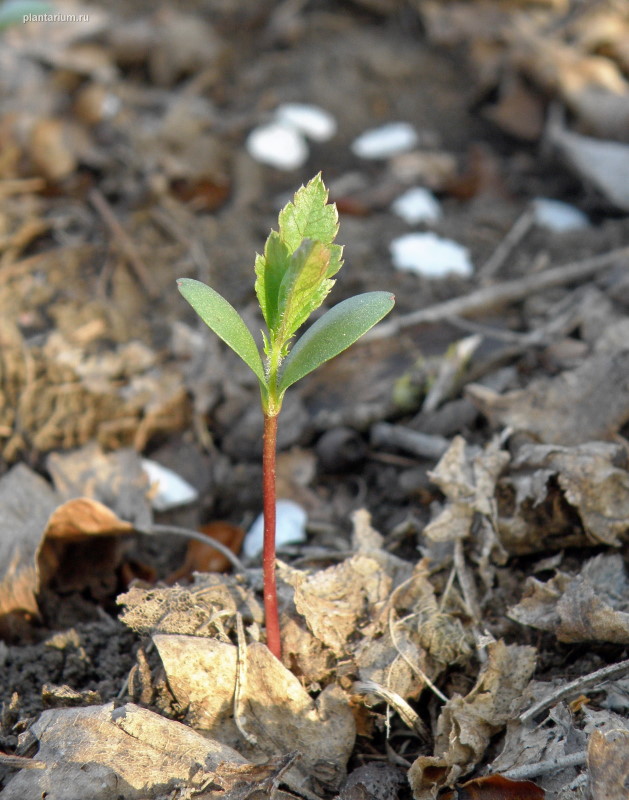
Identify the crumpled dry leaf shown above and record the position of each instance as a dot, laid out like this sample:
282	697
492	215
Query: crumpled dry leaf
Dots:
467	476
100	752
26	503
608	764
564	496
587	607
338	601
577	406
270	712
77	543
466	724
206	608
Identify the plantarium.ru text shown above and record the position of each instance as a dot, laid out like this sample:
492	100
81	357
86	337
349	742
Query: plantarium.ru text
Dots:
293	277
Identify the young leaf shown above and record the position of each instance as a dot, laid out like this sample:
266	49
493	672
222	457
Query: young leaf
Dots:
270	269
309	216
286	282
224	320
303	288
334	332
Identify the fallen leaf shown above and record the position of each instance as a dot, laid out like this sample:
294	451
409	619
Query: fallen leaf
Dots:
496	787
102	752
585	608
204	558
577	406
272	708
466	724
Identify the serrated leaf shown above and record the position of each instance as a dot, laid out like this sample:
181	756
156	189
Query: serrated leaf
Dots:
303	288
221	317
334	332
309	216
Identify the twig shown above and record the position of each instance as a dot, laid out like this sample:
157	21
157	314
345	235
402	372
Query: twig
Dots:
20	762
422	445
466	583
518	231
498	295
199	537
241	676
407	714
600	675
527	771
126	244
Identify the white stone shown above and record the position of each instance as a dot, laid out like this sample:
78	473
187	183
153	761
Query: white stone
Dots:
310	120
417	205
169	490
430	255
278	145
385	141
290	528
557	216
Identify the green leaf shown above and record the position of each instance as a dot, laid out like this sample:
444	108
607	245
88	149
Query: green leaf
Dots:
270	269
334	332
225	321
309	216
293	275
303	288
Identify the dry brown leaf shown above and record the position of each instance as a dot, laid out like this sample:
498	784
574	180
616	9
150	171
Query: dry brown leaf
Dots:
467	476
27	501
205	558
271	707
577	406
206	608
557	496
608	764
466	724
587	607
102	752
496	787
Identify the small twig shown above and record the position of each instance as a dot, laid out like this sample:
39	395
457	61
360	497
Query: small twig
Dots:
499	295
422	445
527	771
21	762
466	583
604	674
407	714
126	244
241	677
199	537
518	231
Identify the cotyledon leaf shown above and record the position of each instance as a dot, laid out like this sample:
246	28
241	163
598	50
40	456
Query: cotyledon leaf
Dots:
224	320
334	332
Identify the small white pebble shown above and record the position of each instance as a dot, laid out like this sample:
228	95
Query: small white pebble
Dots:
557	216
417	205
169	489
311	120
278	145
430	255
290	528
385	141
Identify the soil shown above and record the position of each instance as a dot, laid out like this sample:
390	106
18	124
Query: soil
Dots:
172	166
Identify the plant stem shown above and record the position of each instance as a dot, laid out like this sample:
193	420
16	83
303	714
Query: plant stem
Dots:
268	554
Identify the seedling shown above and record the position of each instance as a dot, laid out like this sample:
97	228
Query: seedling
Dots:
293	278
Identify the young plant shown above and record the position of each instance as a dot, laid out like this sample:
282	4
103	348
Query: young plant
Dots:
293	278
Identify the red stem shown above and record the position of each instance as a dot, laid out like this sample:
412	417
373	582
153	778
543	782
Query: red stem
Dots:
268	553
